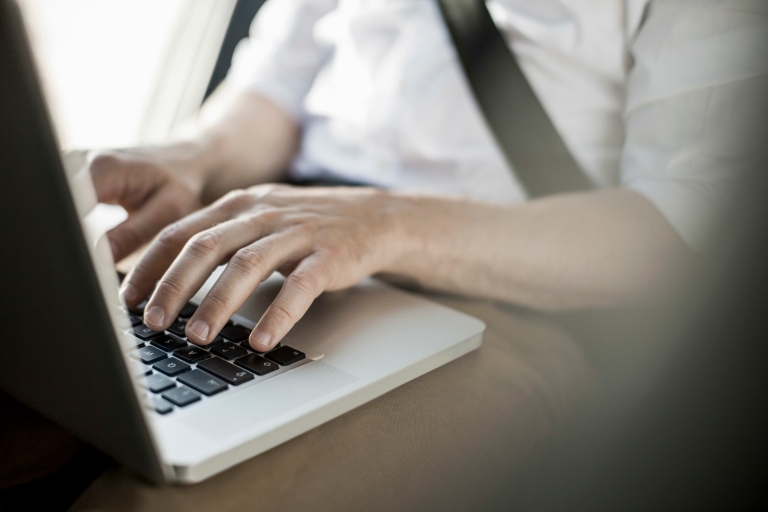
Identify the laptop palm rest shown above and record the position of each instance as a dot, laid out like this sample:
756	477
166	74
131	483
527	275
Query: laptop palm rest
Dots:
361	343
269	399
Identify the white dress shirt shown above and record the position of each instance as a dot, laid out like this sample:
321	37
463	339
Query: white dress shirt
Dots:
651	95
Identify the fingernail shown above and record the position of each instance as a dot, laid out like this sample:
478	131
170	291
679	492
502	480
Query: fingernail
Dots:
262	340
200	329
129	293
155	316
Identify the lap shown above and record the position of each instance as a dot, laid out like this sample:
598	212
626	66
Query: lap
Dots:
31	447
442	442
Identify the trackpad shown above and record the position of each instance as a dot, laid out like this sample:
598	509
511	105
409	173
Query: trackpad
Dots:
270	398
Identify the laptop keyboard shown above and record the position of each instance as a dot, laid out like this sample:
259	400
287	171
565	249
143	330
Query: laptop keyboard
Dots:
176	373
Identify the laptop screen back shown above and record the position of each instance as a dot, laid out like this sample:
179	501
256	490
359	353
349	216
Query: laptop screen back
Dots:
59	352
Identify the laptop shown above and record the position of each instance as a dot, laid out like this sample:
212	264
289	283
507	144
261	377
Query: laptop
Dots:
170	410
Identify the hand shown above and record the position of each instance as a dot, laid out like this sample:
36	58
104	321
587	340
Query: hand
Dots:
156	185
321	239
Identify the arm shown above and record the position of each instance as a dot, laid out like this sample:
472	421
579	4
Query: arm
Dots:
684	148
247	132
241	138
598	249
585	250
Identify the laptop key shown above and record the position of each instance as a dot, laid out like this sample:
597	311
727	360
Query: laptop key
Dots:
203	382
178	327
192	354
138	369
168	343
217	339
285	355
157	383
188	310
235	333
227	350
247	344
171	366
138	309
135	320
256	364
227	371
145	333
182	339
148	355
159	405
131	341
181	396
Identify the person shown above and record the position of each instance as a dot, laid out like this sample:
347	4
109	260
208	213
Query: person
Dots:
653	98
372	93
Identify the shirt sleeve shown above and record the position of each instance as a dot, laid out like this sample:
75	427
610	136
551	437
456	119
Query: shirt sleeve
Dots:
281	57
694	96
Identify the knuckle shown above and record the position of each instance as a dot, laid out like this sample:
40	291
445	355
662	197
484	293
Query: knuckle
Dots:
216	302
305	231
282	312
274	189
304	282
268	193
249	259
104	161
205	243
267	188
171	236
235	200
327	255
305	235
267	216
170	286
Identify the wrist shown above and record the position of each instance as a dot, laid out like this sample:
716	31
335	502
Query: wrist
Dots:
403	218
193	160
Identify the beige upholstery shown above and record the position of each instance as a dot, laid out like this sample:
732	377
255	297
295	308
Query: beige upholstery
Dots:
442	442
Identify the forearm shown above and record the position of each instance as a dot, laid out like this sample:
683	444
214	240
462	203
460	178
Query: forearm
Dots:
595	249
241	138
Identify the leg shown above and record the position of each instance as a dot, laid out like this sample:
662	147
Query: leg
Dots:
442	442
31	447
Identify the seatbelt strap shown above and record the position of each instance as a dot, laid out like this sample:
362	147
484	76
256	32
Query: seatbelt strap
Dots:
511	108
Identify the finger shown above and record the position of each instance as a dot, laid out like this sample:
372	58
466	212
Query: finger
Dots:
199	257
142	225
300	289
172	239
114	183
108	178
166	247
245	271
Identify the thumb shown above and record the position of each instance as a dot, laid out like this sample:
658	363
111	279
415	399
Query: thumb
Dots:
118	180
143	224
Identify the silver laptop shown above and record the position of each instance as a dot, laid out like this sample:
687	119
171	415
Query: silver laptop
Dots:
171	410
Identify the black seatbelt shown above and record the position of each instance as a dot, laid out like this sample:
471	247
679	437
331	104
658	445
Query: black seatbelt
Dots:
237	30
522	128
